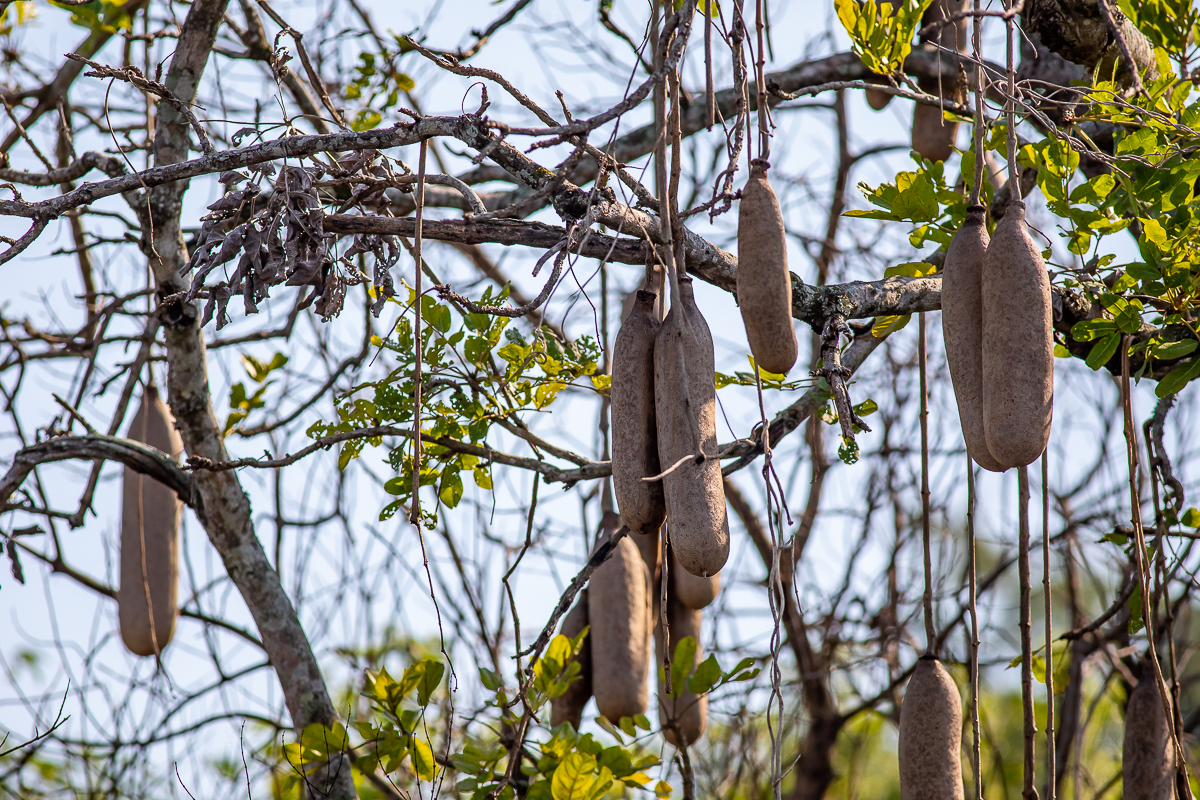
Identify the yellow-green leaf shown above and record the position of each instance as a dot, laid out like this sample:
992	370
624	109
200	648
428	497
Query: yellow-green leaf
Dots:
422	759
573	777
885	326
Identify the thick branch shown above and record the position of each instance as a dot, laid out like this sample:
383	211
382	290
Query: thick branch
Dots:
1077	31
138	457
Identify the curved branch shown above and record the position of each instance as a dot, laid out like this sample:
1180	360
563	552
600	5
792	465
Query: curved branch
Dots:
138	457
20	245
112	167
549	472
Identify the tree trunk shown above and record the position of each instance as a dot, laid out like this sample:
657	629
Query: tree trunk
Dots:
227	508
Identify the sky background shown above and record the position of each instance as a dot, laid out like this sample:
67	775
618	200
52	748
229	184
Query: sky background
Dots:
539	53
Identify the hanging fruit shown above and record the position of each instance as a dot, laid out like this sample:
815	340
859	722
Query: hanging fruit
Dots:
931	735
150	516
1018	344
694	492
764	286
962	329
634	427
619	612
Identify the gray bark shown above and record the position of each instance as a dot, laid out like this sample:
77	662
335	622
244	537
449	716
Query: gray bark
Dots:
227	508
1077	31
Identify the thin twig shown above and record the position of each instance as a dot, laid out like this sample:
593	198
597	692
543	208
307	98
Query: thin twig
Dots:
414	514
1051	762
973	601
1029	792
1115	30
931	643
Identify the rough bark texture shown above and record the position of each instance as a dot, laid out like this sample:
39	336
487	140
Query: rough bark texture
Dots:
228	521
931	735
962	329
1076	30
150	514
634	428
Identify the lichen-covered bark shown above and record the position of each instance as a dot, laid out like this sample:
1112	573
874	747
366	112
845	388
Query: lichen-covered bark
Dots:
1077	31
227	508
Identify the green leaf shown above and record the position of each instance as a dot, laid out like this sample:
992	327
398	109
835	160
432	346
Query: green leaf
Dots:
682	663
451	490
911	269
573	777
366	119
411	679
1173	350
1037	666
1191	518
429	680
435	313
848	451
558	652
609	728
762	373
1141	141
866	407
1127	314
1060	351
1136	622
1179	377
423	763
483	478
320	742
1118	539
706	676
544	394
1103	350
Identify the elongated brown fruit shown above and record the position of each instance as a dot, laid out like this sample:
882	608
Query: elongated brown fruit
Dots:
568	706
1148	757
694	492
681	718
692	590
647	544
634	429
764	287
1018	344
962	329
620	616
931	735
150	514
878	100
933	135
